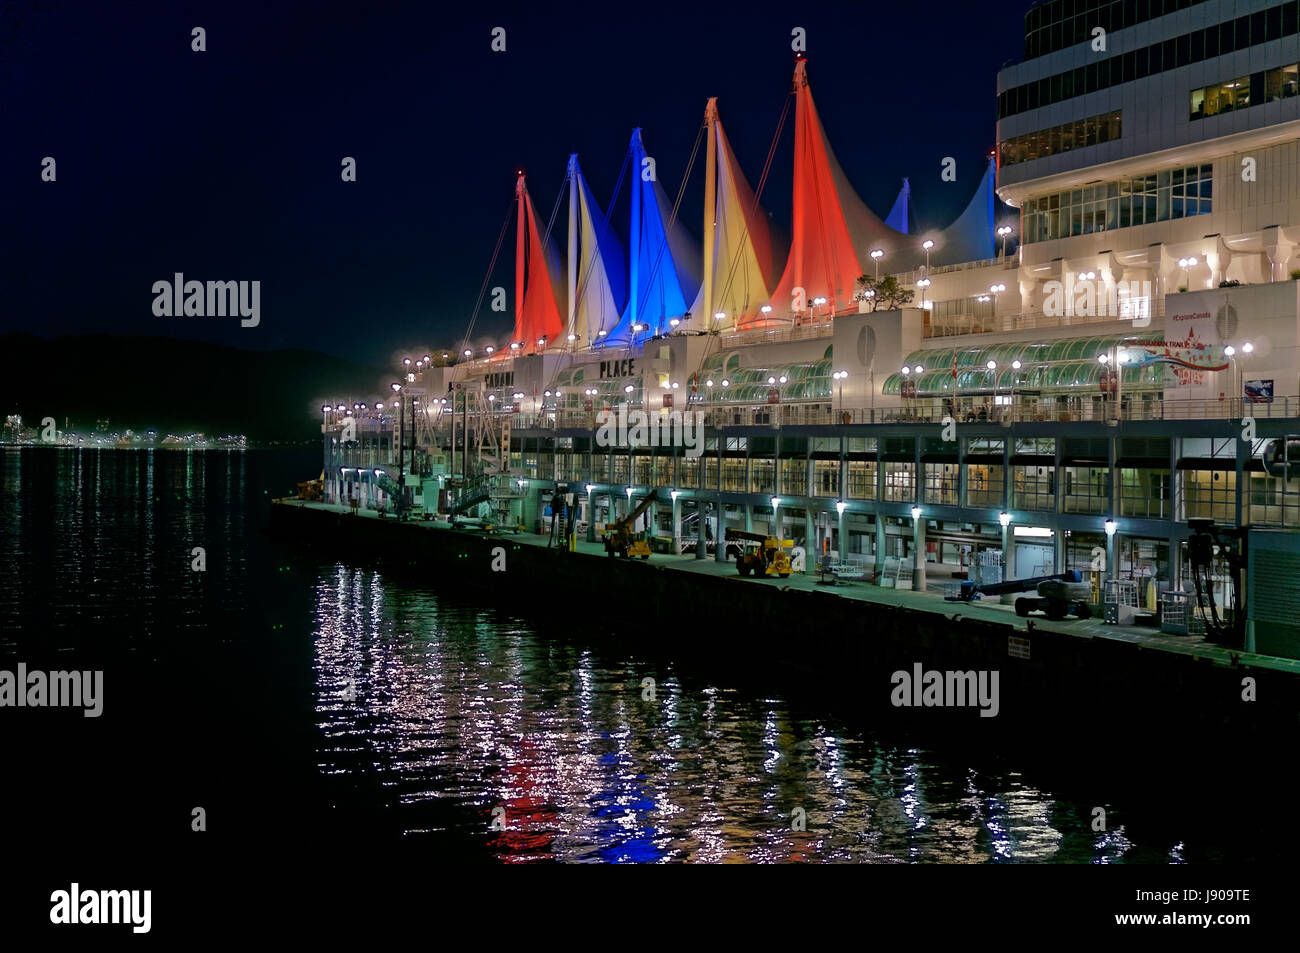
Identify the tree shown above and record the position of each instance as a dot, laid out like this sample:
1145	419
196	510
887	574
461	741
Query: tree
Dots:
885	294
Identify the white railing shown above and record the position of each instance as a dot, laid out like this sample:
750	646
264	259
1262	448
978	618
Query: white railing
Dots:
923	410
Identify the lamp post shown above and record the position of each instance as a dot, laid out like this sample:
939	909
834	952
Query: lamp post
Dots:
1237	370
842	542
995	290
1110	550
993	367
918	549
927	245
1003	232
876	255
401	456
923	283
1004	520
840	376
1186	263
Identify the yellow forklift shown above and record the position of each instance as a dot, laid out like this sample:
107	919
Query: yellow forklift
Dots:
312	490
621	540
762	556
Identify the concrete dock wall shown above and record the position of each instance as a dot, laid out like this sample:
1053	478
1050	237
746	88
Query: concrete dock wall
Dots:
818	639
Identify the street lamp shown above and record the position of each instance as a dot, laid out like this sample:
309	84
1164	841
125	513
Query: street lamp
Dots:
1237	369
1185	263
1003	232
1004	518
916	512
876	255
923	284
927	245
841	376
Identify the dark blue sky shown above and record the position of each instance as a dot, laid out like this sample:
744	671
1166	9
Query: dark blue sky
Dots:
225	164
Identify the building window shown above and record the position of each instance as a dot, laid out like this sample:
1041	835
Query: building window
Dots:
1064	138
1087	489
762	475
826	478
1034	488
1218	39
900	482
1232	94
1144	494
862	479
984	484
794	477
1210	494
1172	194
941	484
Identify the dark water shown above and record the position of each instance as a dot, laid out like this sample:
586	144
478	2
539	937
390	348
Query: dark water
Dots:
298	697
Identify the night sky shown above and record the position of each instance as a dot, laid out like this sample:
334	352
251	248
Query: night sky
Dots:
225	164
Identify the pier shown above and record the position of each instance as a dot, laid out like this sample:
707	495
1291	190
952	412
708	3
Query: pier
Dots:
843	635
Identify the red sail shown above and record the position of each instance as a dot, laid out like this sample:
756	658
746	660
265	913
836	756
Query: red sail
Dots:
822	262
537	308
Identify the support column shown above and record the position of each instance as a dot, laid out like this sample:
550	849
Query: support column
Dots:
918	554
1058	550
677	527
1008	561
843	535
881	538
720	532
809	540
749	518
701	545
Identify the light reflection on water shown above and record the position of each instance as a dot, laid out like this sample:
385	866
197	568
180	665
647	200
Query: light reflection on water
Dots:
556	744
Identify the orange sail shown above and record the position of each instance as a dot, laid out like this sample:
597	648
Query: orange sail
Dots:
823	262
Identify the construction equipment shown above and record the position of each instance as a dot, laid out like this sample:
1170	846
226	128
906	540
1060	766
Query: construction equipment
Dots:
312	489
1058	598
1058	595
564	516
622	540
762	555
1207	545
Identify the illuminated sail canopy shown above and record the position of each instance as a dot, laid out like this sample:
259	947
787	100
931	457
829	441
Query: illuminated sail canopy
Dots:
740	252
597	273
663	261
538	278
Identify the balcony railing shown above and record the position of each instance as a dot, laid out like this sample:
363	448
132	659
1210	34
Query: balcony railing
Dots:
1071	409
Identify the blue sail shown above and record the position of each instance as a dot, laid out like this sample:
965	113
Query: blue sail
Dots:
897	219
663	270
